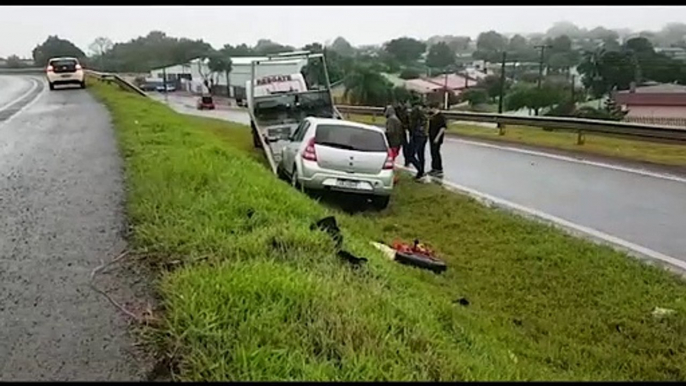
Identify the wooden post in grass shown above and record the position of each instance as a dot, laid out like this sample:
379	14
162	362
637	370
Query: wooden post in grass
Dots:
501	126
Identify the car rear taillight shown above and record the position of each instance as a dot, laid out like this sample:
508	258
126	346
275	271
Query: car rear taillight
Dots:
310	154
78	66
49	69
389	160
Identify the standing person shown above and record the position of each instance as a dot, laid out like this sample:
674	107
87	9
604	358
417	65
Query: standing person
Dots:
402	114
437	126
418	136
394	133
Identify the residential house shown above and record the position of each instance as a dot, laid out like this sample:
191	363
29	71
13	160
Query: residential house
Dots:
677	53
663	104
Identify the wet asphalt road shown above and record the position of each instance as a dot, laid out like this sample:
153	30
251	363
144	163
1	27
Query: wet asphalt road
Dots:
61	216
644	210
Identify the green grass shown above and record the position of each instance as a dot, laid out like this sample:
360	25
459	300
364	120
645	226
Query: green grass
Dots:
262	297
658	153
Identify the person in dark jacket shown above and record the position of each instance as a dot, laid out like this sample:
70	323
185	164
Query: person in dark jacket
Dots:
402	114
418	137
437	127
394	131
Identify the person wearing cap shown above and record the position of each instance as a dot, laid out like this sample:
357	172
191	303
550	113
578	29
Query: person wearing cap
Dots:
437	126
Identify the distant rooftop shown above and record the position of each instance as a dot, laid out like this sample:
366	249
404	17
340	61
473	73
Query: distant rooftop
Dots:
662	88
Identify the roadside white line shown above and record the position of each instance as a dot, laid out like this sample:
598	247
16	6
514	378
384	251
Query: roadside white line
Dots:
22	96
573	228
34	100
642	172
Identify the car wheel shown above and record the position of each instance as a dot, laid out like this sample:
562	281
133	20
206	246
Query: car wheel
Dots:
381	202
295	180
83	84
51	86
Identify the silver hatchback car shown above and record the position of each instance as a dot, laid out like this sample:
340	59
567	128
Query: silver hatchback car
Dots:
332	154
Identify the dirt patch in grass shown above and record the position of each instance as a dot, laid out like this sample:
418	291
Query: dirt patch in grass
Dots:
259	296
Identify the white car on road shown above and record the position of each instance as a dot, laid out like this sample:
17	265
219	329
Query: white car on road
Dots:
332	154
65	71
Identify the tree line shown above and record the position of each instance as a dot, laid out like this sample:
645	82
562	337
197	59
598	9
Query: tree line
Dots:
604	63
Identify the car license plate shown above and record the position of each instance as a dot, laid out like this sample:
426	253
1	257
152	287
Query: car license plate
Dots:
66	76
347	184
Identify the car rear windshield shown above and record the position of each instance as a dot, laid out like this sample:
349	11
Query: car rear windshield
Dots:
206	100
63	62
350	138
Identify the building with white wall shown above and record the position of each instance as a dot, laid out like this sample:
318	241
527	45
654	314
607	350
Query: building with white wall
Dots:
240	72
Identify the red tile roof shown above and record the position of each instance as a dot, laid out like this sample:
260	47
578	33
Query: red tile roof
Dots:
657	95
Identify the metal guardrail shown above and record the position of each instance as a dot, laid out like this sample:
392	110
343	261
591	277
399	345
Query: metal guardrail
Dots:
105	76
22	70
578	125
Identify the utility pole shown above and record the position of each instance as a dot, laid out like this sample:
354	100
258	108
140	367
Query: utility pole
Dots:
542	48
446	98
501	126
573	91
164	84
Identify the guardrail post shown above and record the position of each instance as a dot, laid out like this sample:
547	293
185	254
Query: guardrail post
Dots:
501	128
580	137
374	117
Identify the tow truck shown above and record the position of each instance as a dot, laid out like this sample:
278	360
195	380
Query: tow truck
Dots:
278	102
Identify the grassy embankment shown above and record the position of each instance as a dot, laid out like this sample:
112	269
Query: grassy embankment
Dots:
658	153
261	297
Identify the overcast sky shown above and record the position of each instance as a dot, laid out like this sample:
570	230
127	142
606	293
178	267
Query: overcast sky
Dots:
22	28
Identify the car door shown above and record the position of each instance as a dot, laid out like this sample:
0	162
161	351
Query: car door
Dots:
291	149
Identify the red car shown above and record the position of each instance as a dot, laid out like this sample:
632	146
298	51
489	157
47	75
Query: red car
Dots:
205	103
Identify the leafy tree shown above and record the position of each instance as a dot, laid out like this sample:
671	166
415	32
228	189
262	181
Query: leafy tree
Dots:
491	84
52	47
100	46
401	95
153	51
342	47
440	56
405	50
602	33
315	47
456	43
410	73
268	47
610	44
238	51
13	61
564	28
532	97
220	62
517	43
561	43
604	70
475	96
367	87
491	41
640	45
